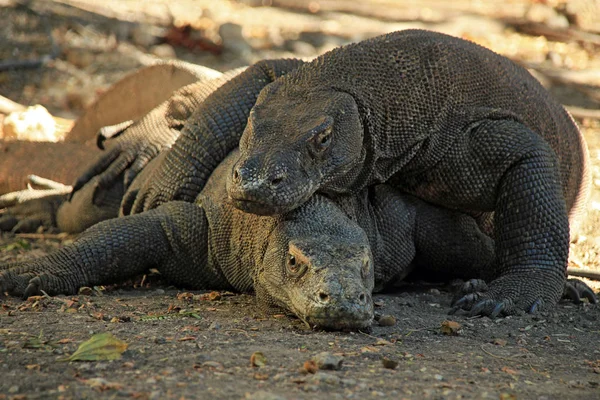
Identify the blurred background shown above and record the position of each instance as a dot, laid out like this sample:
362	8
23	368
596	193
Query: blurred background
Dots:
64	54
86	45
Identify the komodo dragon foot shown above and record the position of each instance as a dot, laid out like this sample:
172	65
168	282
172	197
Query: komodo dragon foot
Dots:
474	296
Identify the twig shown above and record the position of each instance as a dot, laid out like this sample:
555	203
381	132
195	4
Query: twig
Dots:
497	356
41	235
578	112
583	273
8	106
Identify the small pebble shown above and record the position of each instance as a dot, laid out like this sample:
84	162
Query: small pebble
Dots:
326	360
387	320
321	377
388	363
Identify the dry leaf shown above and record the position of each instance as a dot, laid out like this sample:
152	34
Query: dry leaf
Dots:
185	296
310	366
212	296
450	328
369	349
102	346
258	359
509	371
382	342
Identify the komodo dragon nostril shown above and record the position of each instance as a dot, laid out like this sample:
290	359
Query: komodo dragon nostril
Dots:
362	298
323	297
237	176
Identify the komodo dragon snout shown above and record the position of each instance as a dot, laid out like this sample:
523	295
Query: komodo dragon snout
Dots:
325	280
274	178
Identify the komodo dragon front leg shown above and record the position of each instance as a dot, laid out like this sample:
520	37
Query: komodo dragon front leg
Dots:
501	165
209	135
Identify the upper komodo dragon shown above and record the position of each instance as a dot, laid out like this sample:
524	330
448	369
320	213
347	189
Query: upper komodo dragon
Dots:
435	116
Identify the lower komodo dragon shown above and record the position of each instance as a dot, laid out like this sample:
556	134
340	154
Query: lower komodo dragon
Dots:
316	261
435	116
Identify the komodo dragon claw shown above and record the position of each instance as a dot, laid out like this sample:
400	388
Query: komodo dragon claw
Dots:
472	298
576	290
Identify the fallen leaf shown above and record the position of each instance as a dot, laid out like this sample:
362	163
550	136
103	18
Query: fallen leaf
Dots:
187	338
212	296
261	377
33	366
499	342
65	340
509	371
310	366
451	328
102	346
86	291
185	296
258	359
382	342
369	349
101	384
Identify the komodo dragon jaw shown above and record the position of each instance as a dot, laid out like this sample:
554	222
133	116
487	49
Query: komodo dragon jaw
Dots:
270	179
325	280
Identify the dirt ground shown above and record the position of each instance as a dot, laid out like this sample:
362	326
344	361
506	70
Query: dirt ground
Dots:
182	346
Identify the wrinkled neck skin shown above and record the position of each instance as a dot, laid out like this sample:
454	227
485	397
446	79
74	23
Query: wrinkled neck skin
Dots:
318	265
298	141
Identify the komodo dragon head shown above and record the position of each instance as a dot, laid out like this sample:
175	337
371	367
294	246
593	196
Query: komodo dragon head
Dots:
293	144
318	265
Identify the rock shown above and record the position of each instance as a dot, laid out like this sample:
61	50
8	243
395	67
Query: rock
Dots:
387	320
322	377
234	40
388	363
145	35
328	361
545	14
81	58
35	124
300	48
262	395
164	50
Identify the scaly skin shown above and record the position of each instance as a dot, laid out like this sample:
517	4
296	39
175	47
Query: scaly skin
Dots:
437	117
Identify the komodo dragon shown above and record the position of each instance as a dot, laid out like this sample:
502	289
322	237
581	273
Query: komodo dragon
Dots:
435	116
128	99
130	146
316	261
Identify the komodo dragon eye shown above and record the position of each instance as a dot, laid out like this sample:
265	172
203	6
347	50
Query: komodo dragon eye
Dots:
321	136
323	139
294	267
